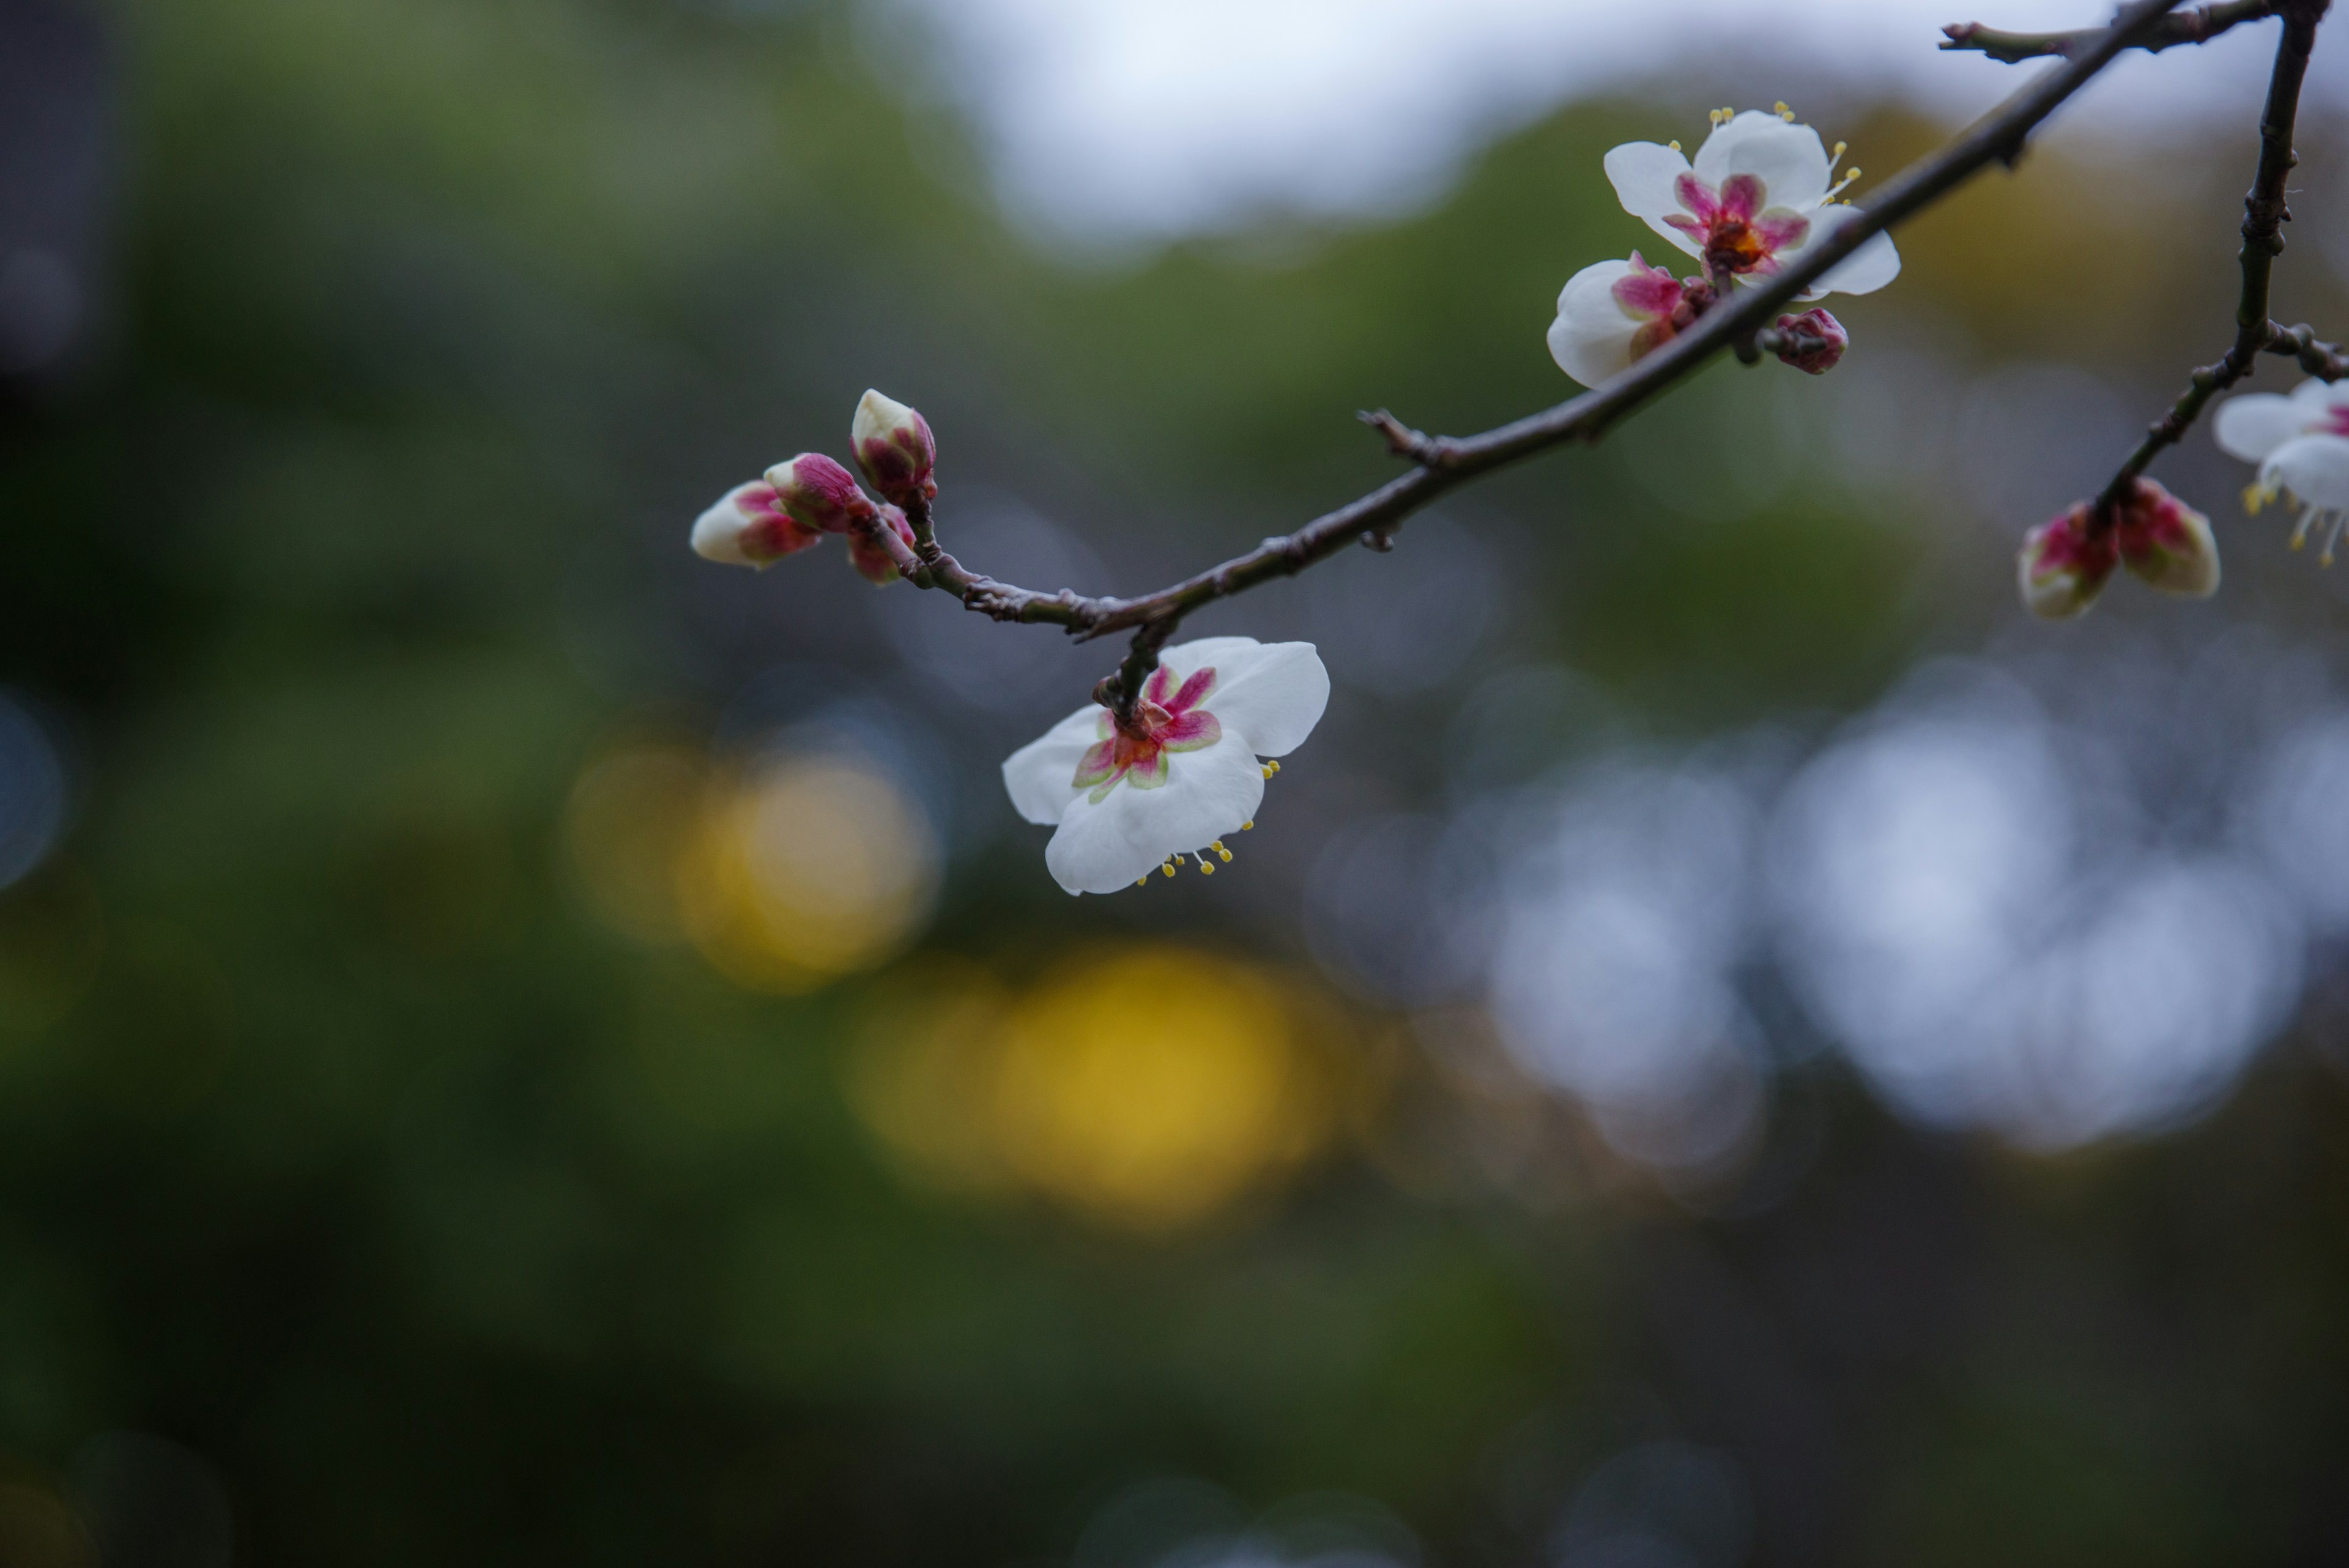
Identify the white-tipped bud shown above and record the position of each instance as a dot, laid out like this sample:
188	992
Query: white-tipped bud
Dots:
893	446
2064	564
869	550
748	527
819	494
2167	543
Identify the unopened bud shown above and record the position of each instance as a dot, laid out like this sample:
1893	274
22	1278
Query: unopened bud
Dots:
2167	543
895	448
871	551
819	494
748	527
1812	341
2064	564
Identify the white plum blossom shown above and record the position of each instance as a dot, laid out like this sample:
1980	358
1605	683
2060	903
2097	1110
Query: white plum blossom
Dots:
2301	445
1128	801
1611	313
1760	193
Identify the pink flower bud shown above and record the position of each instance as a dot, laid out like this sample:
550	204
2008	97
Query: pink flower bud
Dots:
819	494
895	448
2064	564
748	527
2167	543
1812	341
871	551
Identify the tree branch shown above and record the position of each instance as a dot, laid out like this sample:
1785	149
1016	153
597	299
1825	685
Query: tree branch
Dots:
2196	26
2265	213
1443	462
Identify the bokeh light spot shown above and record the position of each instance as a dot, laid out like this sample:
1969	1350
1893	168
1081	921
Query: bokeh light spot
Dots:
32	792
1148	1086
629	824
803	868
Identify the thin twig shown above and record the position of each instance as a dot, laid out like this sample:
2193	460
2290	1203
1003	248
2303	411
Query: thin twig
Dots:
2323	361
2198	26
1443	462
2265	213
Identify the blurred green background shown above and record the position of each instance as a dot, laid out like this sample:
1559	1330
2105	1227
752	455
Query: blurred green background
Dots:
470	1094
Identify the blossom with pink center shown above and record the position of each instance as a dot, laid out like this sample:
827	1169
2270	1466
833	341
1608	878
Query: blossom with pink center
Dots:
1760	193
1124	801
1611	313
893	446
748	527
2301	445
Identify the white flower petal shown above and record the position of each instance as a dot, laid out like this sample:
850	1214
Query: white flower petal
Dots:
2314	468
2255	424
1102	848
1270	694
1644	174
1037	776
2322	394
1591	338
1866	270
1789	159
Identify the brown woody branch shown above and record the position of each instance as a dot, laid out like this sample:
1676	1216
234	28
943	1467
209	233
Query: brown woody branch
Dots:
1443	462
2265	213
2198	26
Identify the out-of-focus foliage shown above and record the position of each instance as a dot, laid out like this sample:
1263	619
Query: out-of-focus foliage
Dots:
527	1048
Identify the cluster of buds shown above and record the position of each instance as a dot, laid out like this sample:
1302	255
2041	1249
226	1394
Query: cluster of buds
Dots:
799	502
2067	560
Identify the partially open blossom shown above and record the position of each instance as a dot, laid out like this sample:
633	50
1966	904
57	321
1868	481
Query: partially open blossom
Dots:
894	447
1611	313
819	494
2064	564
2167	543
1184	775
1760	193
2301	445
1812	341
873	557
748	527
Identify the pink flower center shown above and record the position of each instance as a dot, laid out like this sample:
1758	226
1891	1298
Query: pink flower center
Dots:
1665	306
2336	421
1167	719
1736	234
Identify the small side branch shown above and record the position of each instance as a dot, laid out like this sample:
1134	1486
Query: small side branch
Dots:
2265	211
2198	26
2324	361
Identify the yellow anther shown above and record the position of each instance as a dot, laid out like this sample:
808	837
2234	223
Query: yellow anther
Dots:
2257	495
1246	826
1223	854
1851	174
1836	155
1168	869
1673	145
1142	880
1205	870
1218	847
1783	112
1276	767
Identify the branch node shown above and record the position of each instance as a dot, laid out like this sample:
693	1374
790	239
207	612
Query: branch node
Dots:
1427	450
